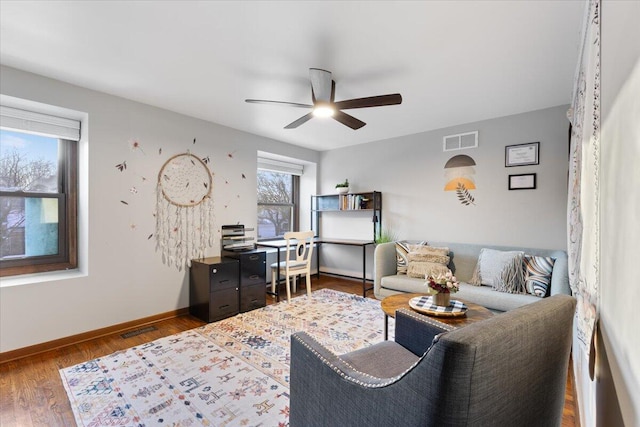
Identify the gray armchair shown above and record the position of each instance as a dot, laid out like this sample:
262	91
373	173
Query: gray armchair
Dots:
509	370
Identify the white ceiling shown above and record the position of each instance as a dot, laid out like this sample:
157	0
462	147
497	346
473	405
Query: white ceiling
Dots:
453	61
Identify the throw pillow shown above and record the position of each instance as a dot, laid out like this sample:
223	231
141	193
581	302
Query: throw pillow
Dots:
423	269
429	254
402	252
537	274
502	270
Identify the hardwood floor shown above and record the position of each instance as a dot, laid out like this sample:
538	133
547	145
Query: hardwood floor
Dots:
31	392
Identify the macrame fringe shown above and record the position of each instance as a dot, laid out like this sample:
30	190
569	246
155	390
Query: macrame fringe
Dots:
512	277
183	232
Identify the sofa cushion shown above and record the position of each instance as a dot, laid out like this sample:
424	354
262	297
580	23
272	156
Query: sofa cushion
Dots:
402	254
537	274
374	360
502	270
488	297
404	283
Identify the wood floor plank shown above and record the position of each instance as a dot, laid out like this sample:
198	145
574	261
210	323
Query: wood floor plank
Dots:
8	396
32	394
22	394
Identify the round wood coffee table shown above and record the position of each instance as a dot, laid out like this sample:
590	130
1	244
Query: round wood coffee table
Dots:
391	303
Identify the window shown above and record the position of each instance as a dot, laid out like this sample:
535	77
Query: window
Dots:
278	198
38	192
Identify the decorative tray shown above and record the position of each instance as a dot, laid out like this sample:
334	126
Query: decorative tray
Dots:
425	305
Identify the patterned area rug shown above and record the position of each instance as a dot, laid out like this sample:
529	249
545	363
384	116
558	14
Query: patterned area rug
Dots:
234	372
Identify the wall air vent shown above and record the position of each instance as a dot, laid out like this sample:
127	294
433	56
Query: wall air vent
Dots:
460	141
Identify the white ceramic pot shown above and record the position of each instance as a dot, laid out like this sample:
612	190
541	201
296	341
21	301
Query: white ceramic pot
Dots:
342	190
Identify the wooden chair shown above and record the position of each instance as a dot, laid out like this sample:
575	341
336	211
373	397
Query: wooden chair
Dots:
298	264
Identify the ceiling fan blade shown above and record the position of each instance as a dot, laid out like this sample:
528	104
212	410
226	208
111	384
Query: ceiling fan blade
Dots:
320	84
300	121
348	120
371	101
333	90
290	104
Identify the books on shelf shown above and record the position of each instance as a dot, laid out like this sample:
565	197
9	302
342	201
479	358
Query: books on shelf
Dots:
353	202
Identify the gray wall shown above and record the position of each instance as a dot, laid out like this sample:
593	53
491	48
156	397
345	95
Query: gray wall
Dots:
409	171
123	277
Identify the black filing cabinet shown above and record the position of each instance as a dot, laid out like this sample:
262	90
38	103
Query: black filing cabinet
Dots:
253	277
214	288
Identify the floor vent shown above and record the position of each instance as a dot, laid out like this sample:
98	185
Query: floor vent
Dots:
138	332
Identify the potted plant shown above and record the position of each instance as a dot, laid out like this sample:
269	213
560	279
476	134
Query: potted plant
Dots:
343	187
386	236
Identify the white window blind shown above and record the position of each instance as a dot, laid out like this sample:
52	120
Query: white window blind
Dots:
279	166
38	123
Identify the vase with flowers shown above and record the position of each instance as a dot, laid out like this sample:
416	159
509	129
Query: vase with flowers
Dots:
441	287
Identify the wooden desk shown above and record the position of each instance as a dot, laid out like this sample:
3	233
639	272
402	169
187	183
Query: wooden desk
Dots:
348	242
392	303
319	241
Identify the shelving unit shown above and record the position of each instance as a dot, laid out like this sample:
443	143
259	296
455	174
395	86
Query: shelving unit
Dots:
370	201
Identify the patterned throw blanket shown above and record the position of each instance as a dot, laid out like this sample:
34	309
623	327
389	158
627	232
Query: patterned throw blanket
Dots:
234	372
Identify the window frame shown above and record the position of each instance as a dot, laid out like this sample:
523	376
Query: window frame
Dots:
67	257
294	205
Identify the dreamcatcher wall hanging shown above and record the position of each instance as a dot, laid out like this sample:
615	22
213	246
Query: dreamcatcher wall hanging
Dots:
184	213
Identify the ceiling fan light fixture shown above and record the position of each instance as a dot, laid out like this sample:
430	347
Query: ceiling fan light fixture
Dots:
323	110
322	95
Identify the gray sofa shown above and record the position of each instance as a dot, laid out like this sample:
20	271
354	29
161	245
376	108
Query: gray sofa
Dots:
463	263
509	370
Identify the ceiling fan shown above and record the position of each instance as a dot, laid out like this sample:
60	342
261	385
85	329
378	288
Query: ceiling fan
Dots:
323	90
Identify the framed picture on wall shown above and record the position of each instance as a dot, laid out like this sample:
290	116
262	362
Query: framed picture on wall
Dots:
525	181
522	154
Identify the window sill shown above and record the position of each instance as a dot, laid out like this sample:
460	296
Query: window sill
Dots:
28	279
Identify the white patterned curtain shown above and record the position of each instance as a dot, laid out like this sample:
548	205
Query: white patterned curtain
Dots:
584	186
